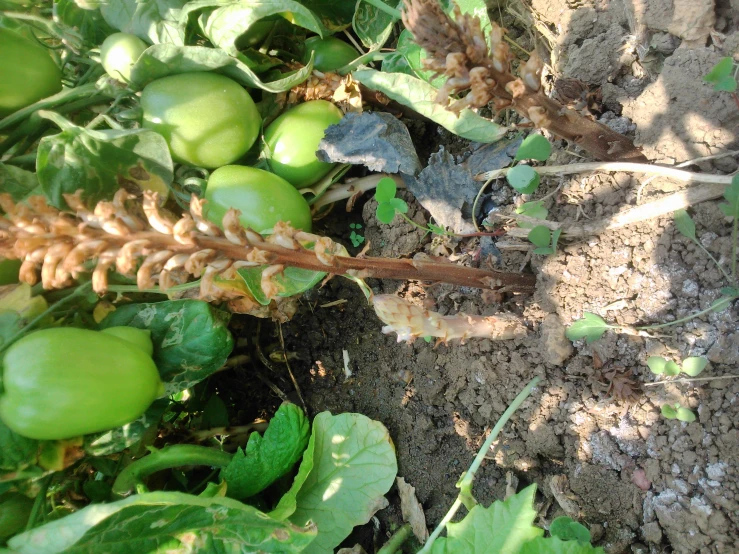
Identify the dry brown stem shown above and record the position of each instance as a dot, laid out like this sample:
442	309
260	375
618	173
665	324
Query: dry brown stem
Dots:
457	49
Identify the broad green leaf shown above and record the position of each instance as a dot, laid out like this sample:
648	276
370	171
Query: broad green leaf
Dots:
502	527
591	327
399	205
191	338
395	62
478	8
414	56
725	84
534	147
421	97
555	238
694	365
566	529
225	24
385	212
289	501
540	236
656	364
292	281
354	466
16	452
523	178
668	411
553	545
335	15
269	457
544	250
373	26
534	209
154	21
672	369
684	224
89	23
117	440
165	522
162	60
99	162
385	190
685	414
731	208
17	182
215	413
724	68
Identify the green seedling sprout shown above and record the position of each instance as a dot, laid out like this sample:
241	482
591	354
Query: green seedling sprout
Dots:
524	178
355	237
692	366
388	205
723	75
676	411
544	239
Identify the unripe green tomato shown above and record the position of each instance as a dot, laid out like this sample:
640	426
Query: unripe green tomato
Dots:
9	271
262	197
140	338
208	120
293	139
331	53
61	383
15	509
27	72
119	52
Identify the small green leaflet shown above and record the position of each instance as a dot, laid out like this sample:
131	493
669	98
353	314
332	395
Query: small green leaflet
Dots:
534	209
372	25
694	365
523	178
671	368
154	21
668	411
684	224
292	281
117	440
540	236
16	452
269	457
566	529
656	364
335	15
591	327
534	147
385	190
555	545
289	501
721	75
731	209
685	414
387	204
17	182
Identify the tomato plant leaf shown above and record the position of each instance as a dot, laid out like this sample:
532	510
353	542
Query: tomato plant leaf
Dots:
267	458
504	526
385	190
656	364
289	501
685	414
414	56
566	529
668	411
292	281
191	338
684	224
534	147
540	236
336	15
17	182
100	162
354	466
591	327
672	369
372	25
694	365
399	205
16	452
89	23
154	21
421	97
385	212
215	413
523	178
117	440
165	521
555	545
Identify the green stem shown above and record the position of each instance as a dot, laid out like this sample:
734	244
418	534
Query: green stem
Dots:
721	269
380	5
157	290
373	56
79	291
38	503
176	455
396	541
682	319
51	102
465	483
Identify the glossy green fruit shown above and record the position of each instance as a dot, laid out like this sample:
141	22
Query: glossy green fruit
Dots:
331	53
207	119
119	52
15	509
293	138
262	198
63	382
27	72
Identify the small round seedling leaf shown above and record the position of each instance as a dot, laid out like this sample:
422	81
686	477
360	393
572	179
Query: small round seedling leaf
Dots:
534	147
694	365
591	327
685	414
540	236
656	364
385	190
725	84
523	178
724	68
399	205
684	224
385	212
672	369
564	528
668	411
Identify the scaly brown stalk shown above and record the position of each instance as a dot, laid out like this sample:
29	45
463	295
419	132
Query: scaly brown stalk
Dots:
458	49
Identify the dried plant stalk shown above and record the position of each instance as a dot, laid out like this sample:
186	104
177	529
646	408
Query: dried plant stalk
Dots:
457	48
148	243
410	322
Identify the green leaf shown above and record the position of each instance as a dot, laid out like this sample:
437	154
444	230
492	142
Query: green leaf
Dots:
421	97
372	25
292	281
534	147
502	527
566	529
523	178
269	457
731	208
544	250
694	365
684	224
165	522
591	327
725	84
98	162
414	57
668	411
289	501
534	209
154	21
555	239
672	369
385	212
722	303
724	68
540	236
399	205
385	190
656	364
89	23
336	15
685	414
117	440
191	338
215	413
16	452
17	182
354	466
554	545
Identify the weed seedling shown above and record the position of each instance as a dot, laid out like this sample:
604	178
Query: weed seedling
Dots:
524	178
676	411
544	239
388	205
355	237
692	366
723	75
